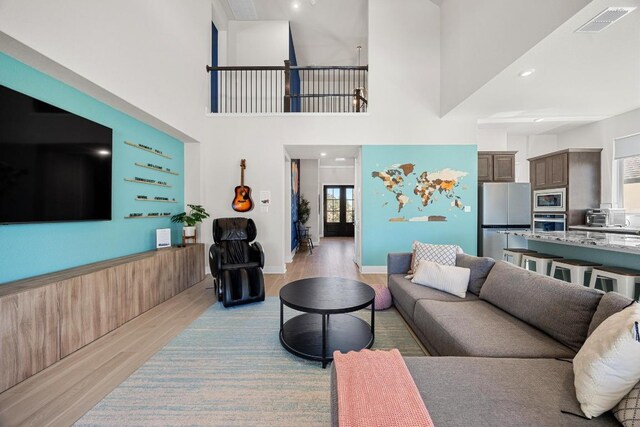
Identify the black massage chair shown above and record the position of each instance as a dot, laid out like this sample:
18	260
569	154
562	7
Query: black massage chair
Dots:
235	262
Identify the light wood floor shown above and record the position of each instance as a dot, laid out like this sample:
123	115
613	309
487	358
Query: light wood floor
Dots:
62	393
333	257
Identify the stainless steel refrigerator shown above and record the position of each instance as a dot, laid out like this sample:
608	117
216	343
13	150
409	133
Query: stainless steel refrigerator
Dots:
503	206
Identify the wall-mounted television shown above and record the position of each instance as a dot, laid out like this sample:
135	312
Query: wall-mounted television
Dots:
54	165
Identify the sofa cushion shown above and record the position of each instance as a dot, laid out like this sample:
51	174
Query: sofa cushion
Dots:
480	268
476	328
606	368
406	293
562	310
447	278
498	392
470	391
442	254
610	303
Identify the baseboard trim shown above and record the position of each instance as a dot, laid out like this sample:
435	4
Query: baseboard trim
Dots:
373	269
274	269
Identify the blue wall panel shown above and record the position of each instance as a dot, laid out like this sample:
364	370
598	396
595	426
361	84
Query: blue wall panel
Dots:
32	249
387	227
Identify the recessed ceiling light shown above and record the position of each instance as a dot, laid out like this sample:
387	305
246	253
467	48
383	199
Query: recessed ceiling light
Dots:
527	73
323	154
340	159
295	5
104	152
538	120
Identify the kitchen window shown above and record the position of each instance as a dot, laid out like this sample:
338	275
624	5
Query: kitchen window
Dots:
627	165
629	185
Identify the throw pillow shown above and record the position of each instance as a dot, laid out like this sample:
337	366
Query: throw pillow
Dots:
442	254
447	278
608	365
628	410
480	268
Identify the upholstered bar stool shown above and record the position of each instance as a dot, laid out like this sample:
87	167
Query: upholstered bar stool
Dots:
543	261
575	267
515	254
624	279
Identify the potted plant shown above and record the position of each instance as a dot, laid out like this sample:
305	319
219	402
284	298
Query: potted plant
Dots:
189	221
304	210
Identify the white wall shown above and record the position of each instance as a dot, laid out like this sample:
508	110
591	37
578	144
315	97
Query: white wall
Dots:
341	175
519	143
481	38
150	53
397	36
310	189
601	135
257	42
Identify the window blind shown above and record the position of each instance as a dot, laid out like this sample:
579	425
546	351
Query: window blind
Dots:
627	146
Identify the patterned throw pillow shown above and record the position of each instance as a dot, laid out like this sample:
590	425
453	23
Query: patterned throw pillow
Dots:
628	410
442	254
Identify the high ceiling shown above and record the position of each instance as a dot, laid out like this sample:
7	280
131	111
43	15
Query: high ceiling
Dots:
325	32
579	78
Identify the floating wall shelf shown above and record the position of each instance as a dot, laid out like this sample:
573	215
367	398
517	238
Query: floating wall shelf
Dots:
148	216
145	182
149	149
157	168
155	200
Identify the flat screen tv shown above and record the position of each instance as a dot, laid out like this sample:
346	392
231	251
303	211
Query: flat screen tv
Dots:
54	165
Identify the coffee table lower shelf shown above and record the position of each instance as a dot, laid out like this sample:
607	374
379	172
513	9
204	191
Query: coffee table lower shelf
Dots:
303	335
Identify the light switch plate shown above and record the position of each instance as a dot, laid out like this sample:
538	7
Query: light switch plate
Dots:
467	208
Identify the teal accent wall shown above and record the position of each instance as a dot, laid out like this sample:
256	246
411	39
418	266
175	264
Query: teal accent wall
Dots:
32	249
379	204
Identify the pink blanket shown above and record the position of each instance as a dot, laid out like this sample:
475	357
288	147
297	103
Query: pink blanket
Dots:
375	388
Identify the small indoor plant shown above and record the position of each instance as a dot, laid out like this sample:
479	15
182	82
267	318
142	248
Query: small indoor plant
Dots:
189	221
304	210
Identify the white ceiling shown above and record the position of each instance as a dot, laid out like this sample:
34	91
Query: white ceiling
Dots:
348	152
325	32
579	78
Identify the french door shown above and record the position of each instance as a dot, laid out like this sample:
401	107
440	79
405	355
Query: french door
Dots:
338	210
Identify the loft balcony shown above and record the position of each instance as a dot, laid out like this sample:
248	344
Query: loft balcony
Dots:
288	89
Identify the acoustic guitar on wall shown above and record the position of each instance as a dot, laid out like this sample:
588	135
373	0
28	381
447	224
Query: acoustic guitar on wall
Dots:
242	201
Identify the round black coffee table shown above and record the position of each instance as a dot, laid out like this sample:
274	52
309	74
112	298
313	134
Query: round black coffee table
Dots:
325	325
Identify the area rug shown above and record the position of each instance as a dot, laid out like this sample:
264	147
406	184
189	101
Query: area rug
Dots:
228	368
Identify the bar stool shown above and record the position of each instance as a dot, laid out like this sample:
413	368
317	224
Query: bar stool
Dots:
575	267
516	255
542	261
624	279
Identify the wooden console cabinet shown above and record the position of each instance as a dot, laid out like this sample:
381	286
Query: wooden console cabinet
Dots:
46	318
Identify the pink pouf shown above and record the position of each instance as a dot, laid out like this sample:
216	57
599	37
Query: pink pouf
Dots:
383	297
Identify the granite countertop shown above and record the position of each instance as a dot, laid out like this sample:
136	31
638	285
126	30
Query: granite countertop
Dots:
611	242
607	229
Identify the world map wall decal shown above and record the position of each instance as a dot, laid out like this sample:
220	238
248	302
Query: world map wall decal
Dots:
415	193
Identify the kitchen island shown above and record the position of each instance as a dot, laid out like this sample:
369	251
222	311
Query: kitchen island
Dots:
605	248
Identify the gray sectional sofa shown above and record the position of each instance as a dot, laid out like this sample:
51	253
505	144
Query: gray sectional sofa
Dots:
505	349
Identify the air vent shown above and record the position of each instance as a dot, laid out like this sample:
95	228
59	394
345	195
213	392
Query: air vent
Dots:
604	19
243	10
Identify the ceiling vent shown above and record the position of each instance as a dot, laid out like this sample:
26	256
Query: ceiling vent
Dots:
243	10
604	19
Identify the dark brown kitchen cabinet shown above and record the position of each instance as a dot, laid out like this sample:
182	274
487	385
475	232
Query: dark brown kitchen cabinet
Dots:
550	171
577	170
496	166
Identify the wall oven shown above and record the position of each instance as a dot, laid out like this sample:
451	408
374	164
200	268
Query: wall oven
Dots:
549	222
550	200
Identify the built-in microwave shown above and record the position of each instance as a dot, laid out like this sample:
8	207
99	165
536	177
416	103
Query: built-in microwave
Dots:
549	222
550	200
